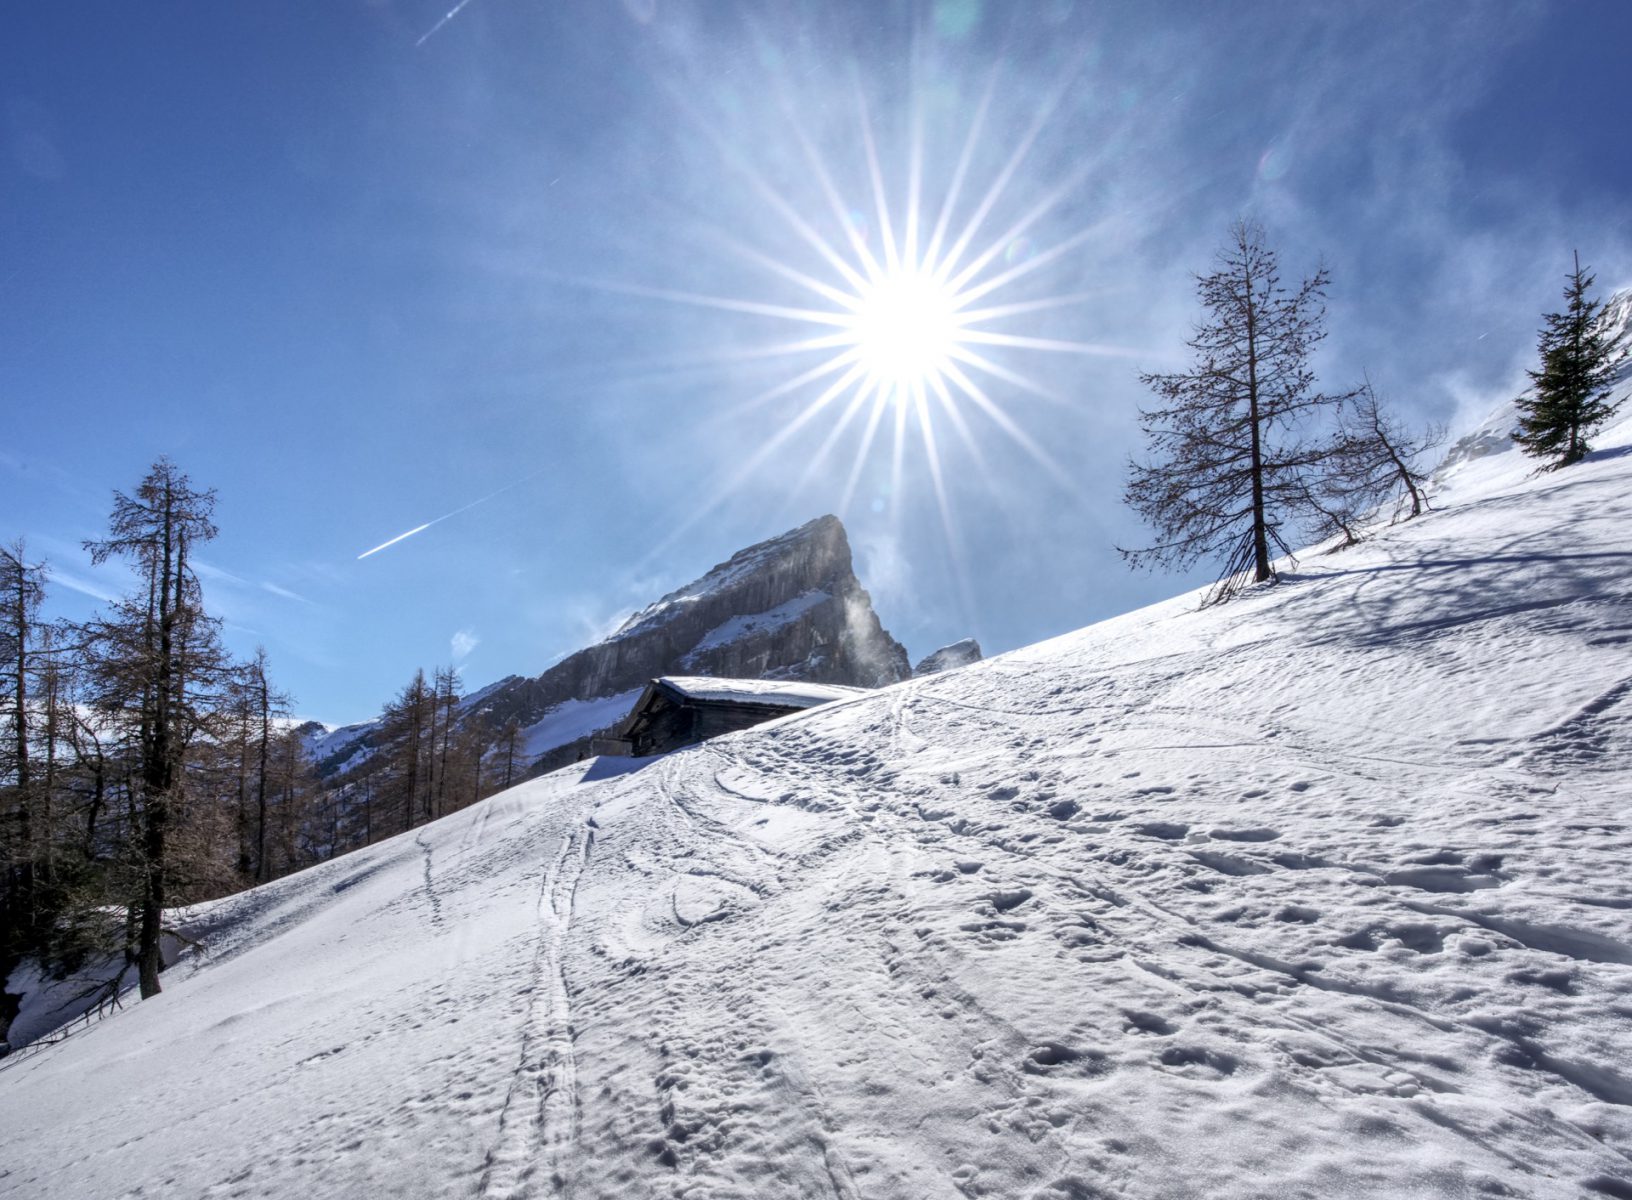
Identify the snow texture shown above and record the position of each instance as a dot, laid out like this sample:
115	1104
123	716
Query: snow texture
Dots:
738	628
1320	893
575	719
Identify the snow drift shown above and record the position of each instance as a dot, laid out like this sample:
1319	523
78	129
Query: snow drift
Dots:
1321	893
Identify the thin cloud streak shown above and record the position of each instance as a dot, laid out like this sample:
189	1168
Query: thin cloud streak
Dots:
446	17
448	516
400	537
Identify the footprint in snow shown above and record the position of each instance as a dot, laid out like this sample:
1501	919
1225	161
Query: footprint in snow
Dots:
1198	1062
1256	834
1149	1023
1228	864
1004	901
1440	879
1170	831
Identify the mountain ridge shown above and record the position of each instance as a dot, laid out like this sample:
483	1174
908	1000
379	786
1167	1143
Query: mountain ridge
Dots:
787	607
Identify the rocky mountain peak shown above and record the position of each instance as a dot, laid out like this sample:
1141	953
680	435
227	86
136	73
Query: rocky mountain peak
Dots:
818	551
958	654
789	607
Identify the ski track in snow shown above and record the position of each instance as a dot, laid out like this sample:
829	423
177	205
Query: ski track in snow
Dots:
538	1126
1322	893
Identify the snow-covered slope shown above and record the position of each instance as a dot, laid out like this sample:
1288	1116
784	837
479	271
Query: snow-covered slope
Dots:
1322	893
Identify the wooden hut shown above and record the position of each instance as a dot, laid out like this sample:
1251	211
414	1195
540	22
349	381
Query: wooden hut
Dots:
681	710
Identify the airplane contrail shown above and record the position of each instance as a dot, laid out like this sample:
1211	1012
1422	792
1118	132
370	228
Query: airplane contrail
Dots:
445	516
448	16
398	538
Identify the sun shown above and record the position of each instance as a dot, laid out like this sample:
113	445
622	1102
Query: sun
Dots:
904	314
905	330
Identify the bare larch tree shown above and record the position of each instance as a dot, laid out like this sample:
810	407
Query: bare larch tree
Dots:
1234	438
153	655
1374	461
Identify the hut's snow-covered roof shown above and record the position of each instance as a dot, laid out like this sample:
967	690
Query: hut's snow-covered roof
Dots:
779	692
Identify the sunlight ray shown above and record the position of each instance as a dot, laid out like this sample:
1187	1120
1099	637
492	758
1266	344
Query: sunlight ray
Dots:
943	501
1017	229
824	178
898	451
828	291
886	229
965	157
757	459
1017	435
769	194
970	316
636	370
959	425
880	403
1034	263
997	371
915	169
789	386
814	316
805	416
857	401
1053	344
949	262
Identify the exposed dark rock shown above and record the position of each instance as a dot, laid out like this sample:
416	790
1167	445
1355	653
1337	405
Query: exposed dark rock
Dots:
958	654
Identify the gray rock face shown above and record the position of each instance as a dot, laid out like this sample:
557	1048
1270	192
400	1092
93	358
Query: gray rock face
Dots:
787	608
958	654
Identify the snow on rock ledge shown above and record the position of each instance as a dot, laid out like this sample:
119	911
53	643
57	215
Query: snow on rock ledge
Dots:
948	658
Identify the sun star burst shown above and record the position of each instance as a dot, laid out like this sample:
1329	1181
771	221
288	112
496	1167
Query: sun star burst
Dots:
905	330
906	320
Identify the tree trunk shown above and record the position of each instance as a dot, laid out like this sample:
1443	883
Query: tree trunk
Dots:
265	699
158	777
1260	525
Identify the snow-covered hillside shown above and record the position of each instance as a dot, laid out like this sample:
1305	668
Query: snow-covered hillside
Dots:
1322	893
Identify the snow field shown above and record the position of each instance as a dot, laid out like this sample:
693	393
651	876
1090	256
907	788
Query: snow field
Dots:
1322	893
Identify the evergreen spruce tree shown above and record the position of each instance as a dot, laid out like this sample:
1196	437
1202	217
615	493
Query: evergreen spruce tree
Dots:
1570	396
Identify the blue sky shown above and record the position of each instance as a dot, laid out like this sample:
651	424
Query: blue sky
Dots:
358	267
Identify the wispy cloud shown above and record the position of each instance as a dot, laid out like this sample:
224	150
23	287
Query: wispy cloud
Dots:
276	590
215	574
464	641
76	583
